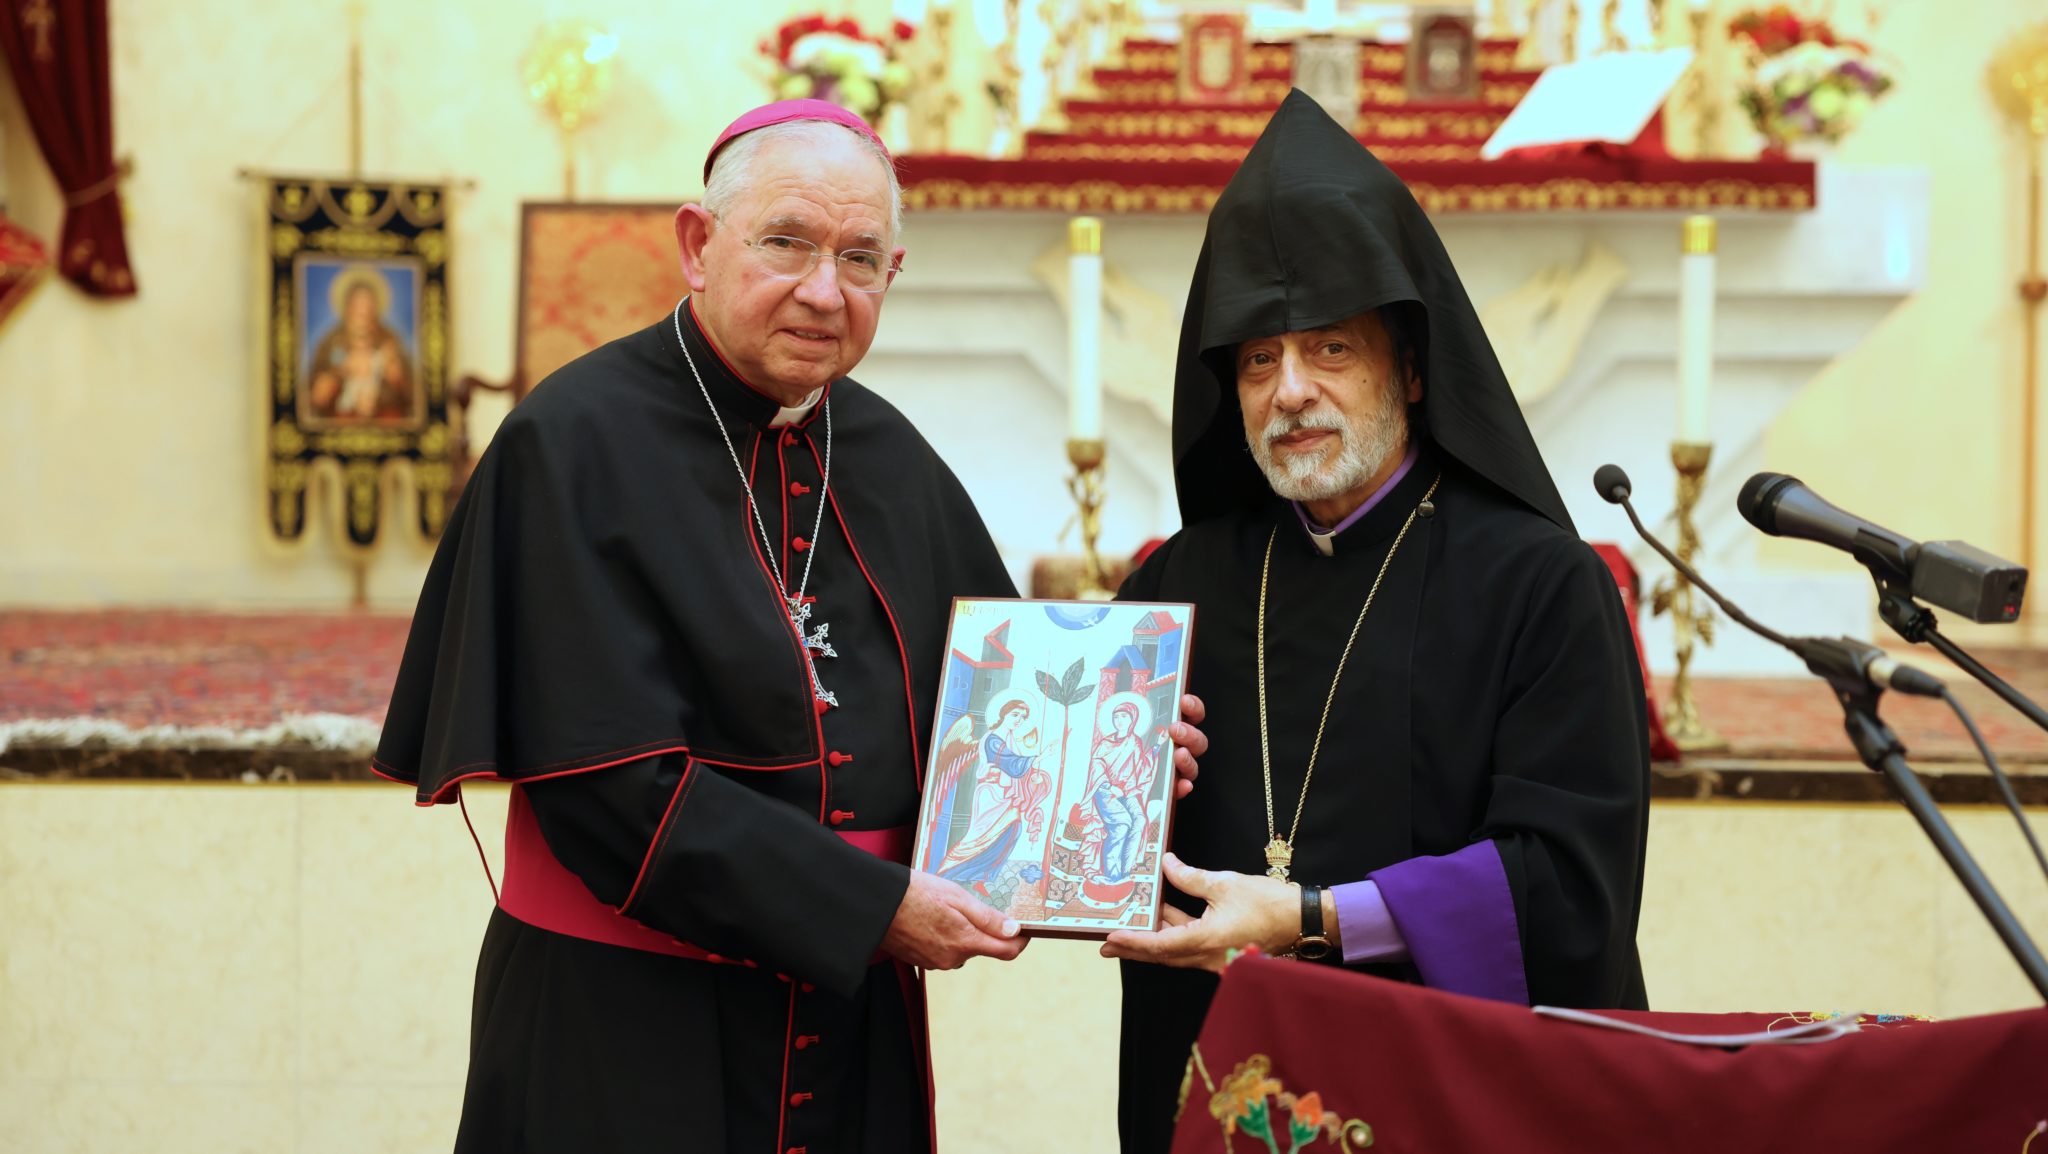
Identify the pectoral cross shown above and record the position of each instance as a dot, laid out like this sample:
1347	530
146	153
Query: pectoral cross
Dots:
815	646
37	18
1278	856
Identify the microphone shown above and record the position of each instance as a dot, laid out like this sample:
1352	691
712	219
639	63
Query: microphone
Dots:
1829	657
1951	575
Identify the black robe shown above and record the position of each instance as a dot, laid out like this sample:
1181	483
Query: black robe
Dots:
600	627
1493	693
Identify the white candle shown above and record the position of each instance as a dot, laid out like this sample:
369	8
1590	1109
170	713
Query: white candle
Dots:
1084	329
1695	327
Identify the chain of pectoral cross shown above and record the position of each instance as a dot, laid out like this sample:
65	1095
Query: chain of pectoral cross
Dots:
796	605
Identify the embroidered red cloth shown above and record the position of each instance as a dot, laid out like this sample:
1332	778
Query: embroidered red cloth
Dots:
1310	1058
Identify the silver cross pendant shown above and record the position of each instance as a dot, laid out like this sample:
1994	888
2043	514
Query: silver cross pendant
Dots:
814	644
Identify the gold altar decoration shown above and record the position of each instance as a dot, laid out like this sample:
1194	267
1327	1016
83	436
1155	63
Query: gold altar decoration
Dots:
1005	87
1060	38
2019	80
1692	622
568	75
937	99
1086	487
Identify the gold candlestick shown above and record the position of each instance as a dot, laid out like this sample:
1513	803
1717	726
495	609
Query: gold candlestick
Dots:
1085	485
2019	79
1691	621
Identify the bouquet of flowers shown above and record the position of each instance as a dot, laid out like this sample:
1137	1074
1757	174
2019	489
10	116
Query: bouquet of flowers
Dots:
839	61
1806	83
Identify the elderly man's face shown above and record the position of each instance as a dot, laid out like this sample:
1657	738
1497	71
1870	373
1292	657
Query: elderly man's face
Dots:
1325	410
789	337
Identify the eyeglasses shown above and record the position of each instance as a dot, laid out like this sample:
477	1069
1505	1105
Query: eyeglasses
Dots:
792	258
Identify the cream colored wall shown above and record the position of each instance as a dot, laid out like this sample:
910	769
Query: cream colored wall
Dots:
230	968
1919	427
128	470
128	444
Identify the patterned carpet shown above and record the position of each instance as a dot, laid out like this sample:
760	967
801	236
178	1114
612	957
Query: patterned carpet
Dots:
244	672
139	668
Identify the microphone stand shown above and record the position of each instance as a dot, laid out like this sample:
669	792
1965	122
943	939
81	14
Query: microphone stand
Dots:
1917	624
1882	751
1879	748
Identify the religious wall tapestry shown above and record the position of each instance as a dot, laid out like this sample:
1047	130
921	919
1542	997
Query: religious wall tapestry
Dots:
356	335
1050	788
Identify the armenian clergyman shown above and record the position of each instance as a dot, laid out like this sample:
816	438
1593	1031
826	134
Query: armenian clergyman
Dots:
1428	749
692	605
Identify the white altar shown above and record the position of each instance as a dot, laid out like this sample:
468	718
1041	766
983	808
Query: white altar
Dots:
972	347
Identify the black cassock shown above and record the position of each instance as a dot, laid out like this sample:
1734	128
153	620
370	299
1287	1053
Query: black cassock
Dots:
600	627
1493	694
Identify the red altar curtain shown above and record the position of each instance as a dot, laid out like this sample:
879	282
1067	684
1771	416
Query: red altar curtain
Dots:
57	51
1317	1060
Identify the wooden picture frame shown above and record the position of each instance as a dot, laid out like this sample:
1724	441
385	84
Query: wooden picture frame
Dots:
1062	830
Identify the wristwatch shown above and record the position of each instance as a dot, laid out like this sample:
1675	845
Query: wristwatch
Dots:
1311	945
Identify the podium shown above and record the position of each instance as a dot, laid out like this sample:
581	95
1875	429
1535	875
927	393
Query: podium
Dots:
1296	1057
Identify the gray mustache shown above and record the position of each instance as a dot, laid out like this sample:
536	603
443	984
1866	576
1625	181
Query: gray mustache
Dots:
1287	424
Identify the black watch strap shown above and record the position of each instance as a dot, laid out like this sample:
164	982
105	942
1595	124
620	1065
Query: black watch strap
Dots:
1311	911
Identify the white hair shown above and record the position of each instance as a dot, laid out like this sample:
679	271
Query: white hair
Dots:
733	171
1365	446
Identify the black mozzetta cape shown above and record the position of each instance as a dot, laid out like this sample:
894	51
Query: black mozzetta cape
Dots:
1494	692
601	627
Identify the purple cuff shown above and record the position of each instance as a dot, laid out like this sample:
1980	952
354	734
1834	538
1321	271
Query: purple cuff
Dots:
1457	917
1365	925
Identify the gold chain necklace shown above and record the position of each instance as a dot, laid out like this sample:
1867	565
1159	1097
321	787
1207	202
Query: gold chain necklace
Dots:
1279	850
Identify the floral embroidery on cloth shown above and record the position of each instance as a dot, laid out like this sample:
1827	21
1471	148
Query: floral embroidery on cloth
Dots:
1251	1101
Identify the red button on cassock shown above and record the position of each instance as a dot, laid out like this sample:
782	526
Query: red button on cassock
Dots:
799	544
838	759
799	1099
806	1041
841	816
798	488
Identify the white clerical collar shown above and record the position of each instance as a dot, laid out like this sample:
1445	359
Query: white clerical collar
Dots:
1325	540
791	415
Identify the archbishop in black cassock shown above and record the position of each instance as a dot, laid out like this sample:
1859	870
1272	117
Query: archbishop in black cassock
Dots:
705	934
1480	799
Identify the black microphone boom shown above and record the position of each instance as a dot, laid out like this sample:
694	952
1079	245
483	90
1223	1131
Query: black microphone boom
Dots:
1949	574
1825	656
1858	673
1614	488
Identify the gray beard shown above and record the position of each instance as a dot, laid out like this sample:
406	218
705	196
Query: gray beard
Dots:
1363	449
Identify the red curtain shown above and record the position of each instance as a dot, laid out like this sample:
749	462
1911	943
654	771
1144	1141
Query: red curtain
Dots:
57	50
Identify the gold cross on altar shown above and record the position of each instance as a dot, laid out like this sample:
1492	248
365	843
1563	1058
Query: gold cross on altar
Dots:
37	18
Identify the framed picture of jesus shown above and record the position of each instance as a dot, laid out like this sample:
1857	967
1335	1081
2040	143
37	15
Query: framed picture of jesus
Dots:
1049	790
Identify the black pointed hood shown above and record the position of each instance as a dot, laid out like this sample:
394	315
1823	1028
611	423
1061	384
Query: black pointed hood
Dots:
1311	230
